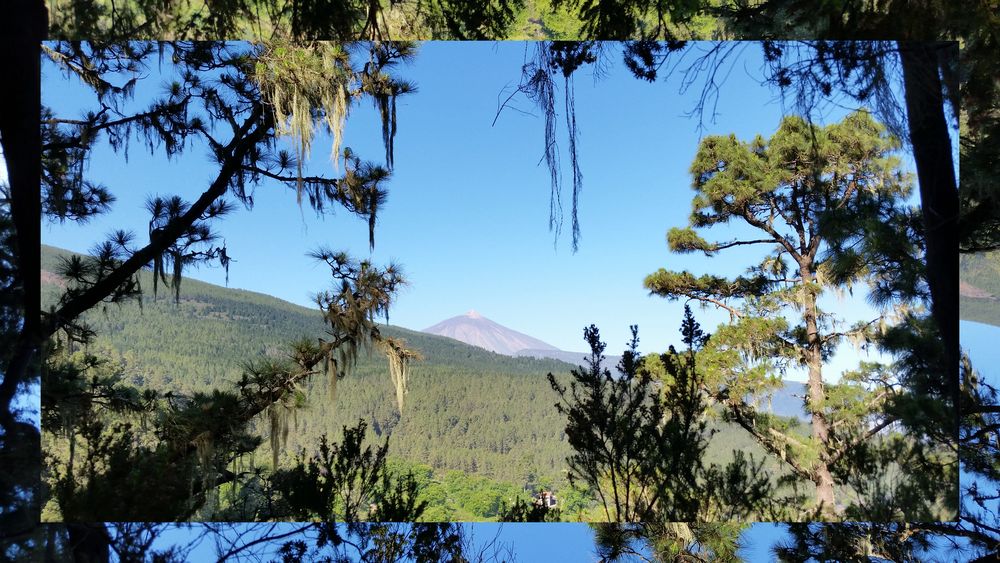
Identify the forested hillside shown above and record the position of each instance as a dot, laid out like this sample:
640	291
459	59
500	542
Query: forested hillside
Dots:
980	287
467	409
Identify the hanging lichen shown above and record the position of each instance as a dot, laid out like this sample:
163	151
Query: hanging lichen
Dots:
537	83
237	469
399	366
539	87
398	372
385	88
301	83
364	293
204	448
574	135
680	532
331	372
278	414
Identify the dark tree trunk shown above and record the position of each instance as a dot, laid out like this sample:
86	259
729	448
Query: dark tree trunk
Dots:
23	25
89	543
932	151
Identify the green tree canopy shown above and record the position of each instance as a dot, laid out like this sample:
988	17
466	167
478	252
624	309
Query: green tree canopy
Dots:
331	20
806	196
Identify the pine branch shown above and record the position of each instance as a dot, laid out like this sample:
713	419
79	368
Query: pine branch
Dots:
981	409
875	401
785	437
235	152
955	529
725	245
840	452
265	538
983	432
292	179
832	335
767	228
745	416
92	127
733	312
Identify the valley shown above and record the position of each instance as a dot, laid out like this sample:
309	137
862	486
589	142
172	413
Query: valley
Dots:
479	428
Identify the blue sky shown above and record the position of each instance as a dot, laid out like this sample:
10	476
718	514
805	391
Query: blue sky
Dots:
528	542
542	543
468	207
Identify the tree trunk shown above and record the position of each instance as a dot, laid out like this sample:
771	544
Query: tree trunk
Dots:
23	24
932	152
89	543
817	397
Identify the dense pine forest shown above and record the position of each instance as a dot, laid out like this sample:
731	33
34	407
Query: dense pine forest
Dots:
479	429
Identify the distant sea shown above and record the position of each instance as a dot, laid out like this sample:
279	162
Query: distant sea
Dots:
982	343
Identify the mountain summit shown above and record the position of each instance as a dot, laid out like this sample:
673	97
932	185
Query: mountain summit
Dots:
475	329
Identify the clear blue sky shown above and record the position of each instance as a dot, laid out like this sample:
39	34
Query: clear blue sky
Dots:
468	207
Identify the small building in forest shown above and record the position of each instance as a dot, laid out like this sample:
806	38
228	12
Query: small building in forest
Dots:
546	499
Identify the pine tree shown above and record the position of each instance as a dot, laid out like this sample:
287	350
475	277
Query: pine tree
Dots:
613	426
640	440
793	189
256	95
816	75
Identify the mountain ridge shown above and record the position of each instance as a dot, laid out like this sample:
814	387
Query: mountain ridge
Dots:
293	320
474	329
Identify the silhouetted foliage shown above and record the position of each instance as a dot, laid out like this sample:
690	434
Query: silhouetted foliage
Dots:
640	445
346	482
669	541
330	20
613	426
289	542
523	511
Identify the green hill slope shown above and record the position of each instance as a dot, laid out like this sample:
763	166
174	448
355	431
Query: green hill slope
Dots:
980	288
467	409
